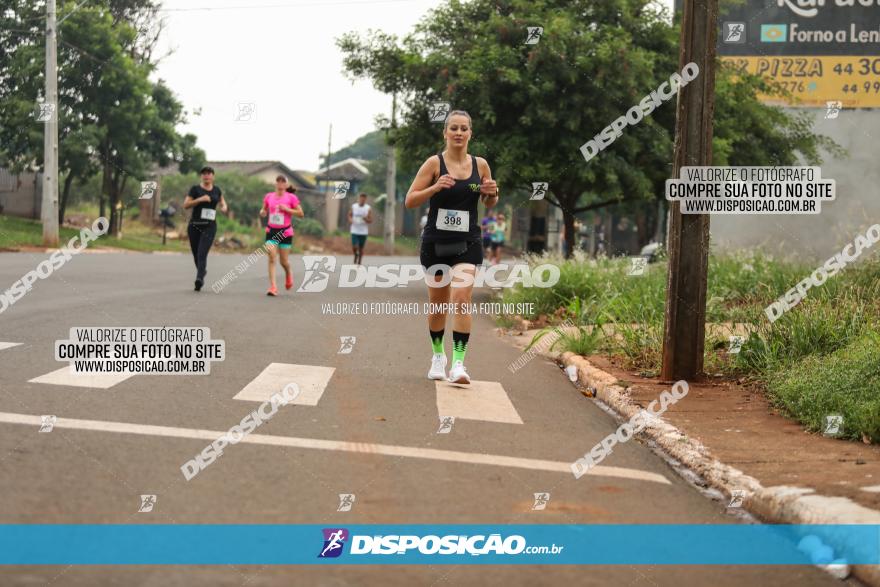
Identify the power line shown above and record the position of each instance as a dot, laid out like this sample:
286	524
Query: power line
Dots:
75	8
298	5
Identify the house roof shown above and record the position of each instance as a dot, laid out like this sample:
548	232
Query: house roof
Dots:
348	169
254	167
306	174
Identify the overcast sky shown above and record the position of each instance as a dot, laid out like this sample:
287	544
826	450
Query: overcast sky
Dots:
280	56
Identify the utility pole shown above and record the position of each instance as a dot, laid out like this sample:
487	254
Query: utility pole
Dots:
49	209
390	180
329	222
688	236
329	140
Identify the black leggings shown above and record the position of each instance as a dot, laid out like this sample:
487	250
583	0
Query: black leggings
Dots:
200	240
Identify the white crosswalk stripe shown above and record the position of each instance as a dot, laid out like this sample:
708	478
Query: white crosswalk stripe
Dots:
66	376
480	400
8	345
311	379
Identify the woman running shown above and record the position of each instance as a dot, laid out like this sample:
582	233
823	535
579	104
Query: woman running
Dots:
498	231
360	215
452	182
204	199
488	228
280	205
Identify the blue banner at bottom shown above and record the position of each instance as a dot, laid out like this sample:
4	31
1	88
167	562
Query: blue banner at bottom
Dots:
636	544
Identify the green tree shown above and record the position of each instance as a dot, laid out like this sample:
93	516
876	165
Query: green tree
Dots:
369	146
534	105
112	117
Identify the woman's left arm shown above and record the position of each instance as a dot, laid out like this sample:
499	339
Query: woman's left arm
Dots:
223	207
488	186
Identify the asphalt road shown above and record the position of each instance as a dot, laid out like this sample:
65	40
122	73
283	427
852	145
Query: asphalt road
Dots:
378	396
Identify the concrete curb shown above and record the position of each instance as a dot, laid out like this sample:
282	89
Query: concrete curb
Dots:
779	505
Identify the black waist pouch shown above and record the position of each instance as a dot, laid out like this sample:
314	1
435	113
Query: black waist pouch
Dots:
450	249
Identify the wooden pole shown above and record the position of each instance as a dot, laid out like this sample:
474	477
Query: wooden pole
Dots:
390	182
688	235
49	211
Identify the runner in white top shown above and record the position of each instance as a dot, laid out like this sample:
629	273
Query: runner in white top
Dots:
359	216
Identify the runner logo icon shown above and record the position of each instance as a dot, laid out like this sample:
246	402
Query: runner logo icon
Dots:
539	190
736	343
47	423
736	498
541	500
534	34
318	270
147	503
346	344
340	190
439	111
148	189
446	423
734	32
833	108
334	541
346	501
46	112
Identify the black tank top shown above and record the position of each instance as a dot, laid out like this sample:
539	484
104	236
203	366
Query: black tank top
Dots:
464	195
197	191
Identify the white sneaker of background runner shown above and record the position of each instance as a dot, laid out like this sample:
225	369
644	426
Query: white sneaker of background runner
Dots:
438	367
458	374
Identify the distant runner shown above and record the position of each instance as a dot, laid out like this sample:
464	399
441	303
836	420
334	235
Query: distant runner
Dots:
280	205
204	199
488	228
360	216
452	182
498	238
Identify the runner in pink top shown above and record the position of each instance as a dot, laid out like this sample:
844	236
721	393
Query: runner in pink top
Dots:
280	206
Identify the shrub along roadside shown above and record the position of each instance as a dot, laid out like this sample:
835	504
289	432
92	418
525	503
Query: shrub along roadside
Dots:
812	338
845	382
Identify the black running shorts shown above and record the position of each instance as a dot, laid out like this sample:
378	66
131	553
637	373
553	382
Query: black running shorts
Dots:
473	255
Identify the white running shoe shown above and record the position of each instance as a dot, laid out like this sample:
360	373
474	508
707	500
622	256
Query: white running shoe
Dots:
438	367
458	374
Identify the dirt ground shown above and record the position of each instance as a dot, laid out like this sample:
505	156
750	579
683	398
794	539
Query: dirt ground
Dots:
741	429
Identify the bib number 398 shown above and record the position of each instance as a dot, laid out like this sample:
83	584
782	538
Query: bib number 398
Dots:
453	220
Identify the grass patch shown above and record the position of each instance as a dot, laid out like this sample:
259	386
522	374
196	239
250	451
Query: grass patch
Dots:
403	245
136	236
584	340
797	358
17	232
845	382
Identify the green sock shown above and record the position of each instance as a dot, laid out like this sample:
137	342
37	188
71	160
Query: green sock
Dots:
437	341
459	345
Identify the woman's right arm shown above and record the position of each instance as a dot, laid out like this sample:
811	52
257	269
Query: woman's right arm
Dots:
189	201
423	186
